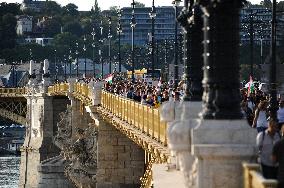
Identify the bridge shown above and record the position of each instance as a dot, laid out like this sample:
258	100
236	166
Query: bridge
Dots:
80	135
98	113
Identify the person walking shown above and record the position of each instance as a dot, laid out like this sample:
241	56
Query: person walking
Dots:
265	141
260	117
278	157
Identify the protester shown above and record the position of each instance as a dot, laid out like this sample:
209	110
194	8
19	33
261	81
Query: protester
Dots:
260	118
278	157
265	141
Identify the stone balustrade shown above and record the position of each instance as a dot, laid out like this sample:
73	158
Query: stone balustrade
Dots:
254	179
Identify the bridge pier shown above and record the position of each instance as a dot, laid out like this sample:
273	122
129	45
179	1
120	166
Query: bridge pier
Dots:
120	161
42	115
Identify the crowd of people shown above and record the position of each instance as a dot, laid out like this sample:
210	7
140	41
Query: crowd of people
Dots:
254	103
270	137
146	93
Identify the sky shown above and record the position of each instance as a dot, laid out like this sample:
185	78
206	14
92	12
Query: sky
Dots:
105	4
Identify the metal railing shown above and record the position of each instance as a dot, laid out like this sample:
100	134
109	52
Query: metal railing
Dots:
12	91
142	117
254	179
61	88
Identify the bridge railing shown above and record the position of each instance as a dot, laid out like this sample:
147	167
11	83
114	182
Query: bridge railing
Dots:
13	91
83	92
144	118
254	179
61	88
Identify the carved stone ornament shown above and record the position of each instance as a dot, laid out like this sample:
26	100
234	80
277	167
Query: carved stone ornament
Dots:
80	155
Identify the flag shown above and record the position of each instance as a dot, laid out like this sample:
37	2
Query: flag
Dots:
250	86
109	78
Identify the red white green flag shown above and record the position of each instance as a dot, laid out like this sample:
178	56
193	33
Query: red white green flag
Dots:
109	78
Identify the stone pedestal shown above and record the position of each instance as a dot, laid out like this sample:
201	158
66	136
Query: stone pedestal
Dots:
220	147
180	139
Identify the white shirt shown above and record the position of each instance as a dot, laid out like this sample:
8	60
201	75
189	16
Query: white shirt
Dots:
261	120
280	115
265	145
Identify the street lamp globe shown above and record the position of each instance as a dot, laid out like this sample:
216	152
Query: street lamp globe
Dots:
133	22
176	2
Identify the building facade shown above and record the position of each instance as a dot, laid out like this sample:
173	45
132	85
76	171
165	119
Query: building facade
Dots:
256	20
164	24
24	24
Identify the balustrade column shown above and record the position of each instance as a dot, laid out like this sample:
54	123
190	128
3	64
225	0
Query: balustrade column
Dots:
221	59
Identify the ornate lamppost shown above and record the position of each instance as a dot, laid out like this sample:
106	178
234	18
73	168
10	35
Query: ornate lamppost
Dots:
191	21
273	107
176	4
55	63
109	43
85	62
77	60
152	15
65	68
119	31
70	63
132	24
100	50
94	45
221	98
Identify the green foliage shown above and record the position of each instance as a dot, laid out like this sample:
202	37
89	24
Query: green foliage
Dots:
74	28
52	27
11	8
71	9
7	31
51	8
139	5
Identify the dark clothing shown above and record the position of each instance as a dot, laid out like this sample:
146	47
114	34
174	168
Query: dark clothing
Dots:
137	98
278	152
261	129
269	172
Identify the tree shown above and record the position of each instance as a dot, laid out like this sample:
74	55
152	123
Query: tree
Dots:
12	8
52	27
51	8
96	11
266	3
139	5
7	31
74	28
71	9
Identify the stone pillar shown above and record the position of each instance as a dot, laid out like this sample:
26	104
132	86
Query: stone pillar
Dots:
179	129
38	145
222	139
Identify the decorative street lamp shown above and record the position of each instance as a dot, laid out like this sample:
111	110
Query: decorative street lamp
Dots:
85	62
65	67
100	50
273	107
176	4
55	63
94	45
109	43
152	15
132	24
119	31
191	21
77	60
70	63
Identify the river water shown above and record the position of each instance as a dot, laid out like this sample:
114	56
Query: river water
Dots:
9	171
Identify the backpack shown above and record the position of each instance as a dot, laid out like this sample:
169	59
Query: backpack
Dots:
263	135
